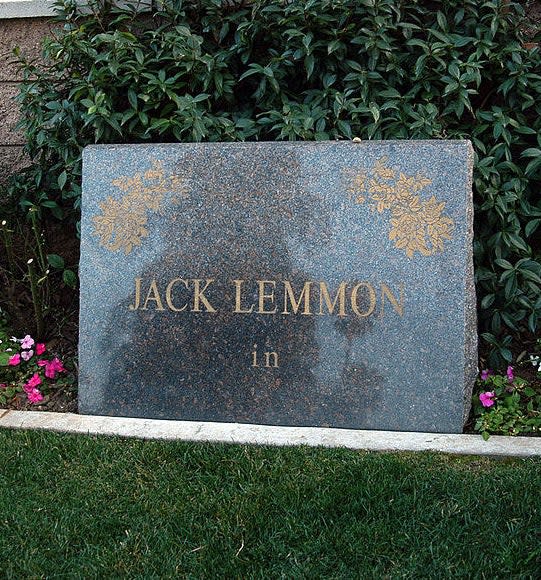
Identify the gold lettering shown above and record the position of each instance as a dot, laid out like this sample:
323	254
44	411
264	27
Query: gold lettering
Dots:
153	295
271	359
199	296
263	296
137	301
340	295
254	356
295	305
386	292
168	292
362	300
372	299
274	357
238	292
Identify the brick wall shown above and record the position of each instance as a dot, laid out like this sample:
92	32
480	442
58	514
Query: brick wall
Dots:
27	34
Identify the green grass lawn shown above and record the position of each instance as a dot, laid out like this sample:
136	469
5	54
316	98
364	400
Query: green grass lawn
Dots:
84	507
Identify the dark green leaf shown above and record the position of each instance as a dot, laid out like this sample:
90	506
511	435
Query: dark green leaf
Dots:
70	278
62	178
55	261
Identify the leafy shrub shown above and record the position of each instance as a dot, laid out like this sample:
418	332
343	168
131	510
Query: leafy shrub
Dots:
313	69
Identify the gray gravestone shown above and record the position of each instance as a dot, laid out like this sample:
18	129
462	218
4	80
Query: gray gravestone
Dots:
323	284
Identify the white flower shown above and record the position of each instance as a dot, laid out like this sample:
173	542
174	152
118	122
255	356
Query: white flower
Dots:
27	341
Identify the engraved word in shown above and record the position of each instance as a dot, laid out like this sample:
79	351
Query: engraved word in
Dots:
270	360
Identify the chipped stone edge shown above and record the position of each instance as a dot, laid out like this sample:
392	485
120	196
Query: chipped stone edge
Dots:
271	435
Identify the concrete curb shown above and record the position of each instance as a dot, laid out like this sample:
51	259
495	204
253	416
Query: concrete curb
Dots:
270	435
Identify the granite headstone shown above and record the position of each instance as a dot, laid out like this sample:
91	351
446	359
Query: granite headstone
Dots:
306	284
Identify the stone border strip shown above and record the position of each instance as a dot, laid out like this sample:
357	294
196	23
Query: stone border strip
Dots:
26	8
38	8
269	435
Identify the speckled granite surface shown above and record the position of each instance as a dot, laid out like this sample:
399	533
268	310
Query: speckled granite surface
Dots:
323	284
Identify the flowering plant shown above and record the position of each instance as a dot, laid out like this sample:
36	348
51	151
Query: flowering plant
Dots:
506	404
26	368
535	359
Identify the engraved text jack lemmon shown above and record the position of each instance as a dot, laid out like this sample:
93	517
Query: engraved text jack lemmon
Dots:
360	299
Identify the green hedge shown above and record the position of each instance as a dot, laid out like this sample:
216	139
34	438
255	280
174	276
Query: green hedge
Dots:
209	70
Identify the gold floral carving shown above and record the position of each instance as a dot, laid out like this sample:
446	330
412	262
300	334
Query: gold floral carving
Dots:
122	223
417	225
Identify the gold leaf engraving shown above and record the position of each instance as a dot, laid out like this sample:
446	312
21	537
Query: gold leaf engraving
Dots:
121	225
417	225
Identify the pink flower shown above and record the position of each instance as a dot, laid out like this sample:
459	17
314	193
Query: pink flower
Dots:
34	396
485	374
3	386
40	348
52	367
27	341
27	354
487	399
14	360
32	383
510	374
